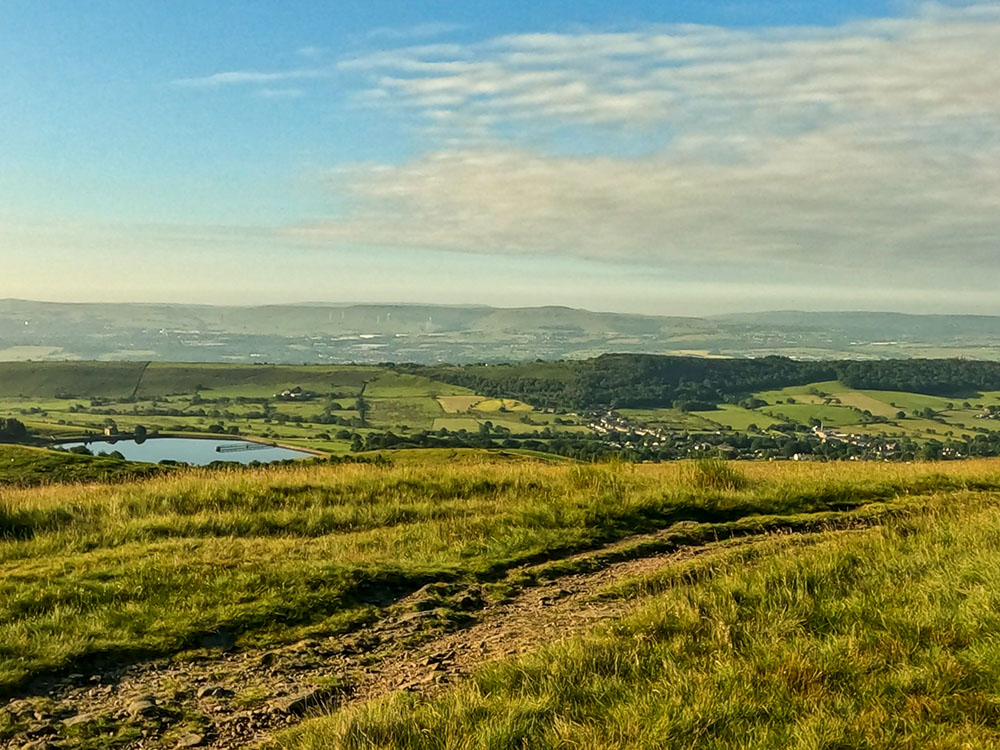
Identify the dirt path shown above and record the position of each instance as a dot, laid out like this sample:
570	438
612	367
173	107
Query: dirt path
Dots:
239	699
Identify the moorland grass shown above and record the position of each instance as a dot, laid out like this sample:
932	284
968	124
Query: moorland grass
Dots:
22	466
151	567
883	638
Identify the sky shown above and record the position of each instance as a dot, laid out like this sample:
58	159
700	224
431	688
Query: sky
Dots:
681	158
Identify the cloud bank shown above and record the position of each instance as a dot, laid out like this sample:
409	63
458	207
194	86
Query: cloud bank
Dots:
784	151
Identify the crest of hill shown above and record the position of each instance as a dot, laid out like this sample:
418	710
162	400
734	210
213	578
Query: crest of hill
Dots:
287	320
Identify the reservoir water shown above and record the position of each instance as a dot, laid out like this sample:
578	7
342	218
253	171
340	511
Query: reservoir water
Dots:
195	451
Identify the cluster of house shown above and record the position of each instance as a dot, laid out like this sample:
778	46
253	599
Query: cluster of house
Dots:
990	412
612	424
861	441
294	394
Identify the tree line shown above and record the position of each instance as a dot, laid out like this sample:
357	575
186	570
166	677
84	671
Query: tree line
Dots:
691	383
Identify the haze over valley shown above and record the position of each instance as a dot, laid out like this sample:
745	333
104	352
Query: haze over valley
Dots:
429	334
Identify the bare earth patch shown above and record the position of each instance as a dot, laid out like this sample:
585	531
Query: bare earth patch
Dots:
219	698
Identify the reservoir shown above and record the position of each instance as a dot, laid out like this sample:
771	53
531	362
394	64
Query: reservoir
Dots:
194	451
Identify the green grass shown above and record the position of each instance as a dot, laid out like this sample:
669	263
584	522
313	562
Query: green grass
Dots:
883	638
831	416
418	411
399	385
394	400
496	404
809	393
21	466
864	402
909	402
162	379
49	379
737	418
149	568
673	418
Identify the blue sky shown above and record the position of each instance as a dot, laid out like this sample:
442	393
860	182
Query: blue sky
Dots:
676	158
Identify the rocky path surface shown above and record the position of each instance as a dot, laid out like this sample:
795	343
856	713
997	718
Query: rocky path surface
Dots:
228	699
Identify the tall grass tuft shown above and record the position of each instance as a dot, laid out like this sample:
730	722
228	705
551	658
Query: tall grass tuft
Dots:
717	474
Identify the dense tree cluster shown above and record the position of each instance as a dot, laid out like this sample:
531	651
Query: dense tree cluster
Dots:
691	383
936	377
12	431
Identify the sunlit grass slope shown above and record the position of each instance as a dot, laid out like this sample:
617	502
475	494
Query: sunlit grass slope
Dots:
152	567
23	466
887	637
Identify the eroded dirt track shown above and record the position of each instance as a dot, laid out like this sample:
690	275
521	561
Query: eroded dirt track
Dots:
238	699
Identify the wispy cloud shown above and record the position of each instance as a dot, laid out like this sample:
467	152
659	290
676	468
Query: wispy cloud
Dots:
252	78
706	75
874	144
417	31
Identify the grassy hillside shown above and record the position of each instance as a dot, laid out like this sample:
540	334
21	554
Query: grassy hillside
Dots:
83	379
21	466
162	379
274	554
884	638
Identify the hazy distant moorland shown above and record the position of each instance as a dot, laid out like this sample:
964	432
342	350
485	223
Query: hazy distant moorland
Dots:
433	333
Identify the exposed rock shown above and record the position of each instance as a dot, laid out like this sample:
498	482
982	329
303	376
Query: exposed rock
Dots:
298	704
191	740
145	706
417	615
73	721
214	691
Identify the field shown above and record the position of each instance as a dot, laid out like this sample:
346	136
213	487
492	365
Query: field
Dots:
349	408
835	406
737	418
860	591
65	400
673	418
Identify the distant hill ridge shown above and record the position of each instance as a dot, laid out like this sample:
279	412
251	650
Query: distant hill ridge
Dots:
424	333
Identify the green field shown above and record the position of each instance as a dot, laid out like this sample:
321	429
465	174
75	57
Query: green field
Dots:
202	398
840	408
671	418
340	408
412	411
256	380
832	416
501	404
909	402
813	393
737	418
50	379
